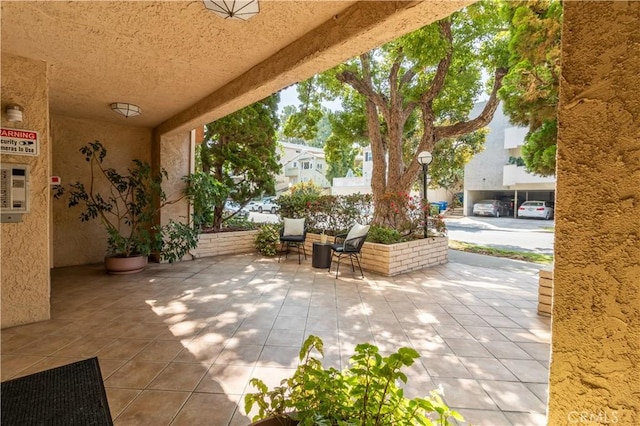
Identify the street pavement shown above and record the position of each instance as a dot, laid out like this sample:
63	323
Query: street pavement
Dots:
527	235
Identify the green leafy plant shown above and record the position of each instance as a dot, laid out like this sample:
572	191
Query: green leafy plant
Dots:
267	239
384	235
129	209
366	393
205	192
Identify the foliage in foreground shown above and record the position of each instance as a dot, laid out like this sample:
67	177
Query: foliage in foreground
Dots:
366	393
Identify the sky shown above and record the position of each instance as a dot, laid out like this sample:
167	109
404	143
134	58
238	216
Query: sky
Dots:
289	96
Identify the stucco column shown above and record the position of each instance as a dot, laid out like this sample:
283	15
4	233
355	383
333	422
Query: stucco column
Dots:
595	366
25	245
173	152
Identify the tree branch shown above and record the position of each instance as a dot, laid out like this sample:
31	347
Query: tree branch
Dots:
483	119
443	65
364	85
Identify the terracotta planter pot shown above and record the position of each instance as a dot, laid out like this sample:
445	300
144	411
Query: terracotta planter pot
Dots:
119	265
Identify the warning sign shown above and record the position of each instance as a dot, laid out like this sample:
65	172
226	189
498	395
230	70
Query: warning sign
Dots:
19	142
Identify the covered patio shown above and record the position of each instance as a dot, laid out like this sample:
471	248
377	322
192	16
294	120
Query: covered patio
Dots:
177	344
63	63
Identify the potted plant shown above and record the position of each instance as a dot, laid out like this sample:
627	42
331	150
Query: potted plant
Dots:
366	393
129	210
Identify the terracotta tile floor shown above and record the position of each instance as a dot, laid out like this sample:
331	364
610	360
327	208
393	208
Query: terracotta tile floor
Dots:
177	344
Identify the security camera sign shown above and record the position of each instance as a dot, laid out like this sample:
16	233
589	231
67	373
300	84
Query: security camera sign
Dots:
19	142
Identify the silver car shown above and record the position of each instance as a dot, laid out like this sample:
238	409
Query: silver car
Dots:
495	208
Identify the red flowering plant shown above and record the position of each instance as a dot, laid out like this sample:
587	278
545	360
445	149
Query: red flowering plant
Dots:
405	213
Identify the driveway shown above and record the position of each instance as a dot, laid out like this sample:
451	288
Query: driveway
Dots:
529	235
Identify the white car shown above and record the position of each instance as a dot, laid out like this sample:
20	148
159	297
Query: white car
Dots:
536	209
268	206
252	206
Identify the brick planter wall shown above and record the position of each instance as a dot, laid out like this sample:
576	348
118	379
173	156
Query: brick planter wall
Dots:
545	292
395	259
388	260
220	243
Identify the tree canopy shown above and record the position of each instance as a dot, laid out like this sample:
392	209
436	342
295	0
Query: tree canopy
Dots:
530	89
239	153
411	95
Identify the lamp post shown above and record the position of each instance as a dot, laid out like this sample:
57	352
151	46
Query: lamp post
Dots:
425	159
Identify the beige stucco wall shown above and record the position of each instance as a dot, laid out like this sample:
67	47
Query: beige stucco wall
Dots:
595	367
76	242
175	159
25	245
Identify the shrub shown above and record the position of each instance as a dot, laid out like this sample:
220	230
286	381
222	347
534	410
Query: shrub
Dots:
384	235
266	241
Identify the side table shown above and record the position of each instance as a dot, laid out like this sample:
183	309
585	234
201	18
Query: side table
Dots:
321	255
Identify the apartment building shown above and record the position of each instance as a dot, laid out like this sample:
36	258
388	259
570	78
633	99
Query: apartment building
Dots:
495	174
301	163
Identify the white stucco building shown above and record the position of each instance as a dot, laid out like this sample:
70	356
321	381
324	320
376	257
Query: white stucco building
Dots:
489	174
301	163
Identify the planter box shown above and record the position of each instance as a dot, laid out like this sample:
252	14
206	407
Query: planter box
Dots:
395	259
219	243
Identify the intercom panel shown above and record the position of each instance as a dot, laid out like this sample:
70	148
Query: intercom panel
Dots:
14	188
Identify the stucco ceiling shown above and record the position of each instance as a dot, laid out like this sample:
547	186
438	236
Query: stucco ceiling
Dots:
172	57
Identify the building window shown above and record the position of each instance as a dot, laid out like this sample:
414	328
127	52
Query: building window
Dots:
294	165
368	156
306	165
319	166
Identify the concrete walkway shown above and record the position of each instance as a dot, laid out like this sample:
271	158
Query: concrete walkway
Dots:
177	344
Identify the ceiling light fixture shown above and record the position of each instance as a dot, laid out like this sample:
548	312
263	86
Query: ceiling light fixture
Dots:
233	9
14	112
128	110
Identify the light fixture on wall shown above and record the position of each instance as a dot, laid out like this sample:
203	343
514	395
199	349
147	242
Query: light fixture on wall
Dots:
233	9
128	110
14	112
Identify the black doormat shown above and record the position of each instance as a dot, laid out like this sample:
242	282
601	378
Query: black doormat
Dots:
69	395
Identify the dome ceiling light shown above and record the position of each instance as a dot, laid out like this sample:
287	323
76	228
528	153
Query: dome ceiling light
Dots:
233	9
128	110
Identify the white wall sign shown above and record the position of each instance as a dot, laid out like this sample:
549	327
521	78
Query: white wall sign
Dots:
19	142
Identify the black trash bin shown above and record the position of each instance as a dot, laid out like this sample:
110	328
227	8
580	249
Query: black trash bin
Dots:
321	255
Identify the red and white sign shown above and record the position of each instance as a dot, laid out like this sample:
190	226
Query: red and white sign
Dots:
19	142
55	180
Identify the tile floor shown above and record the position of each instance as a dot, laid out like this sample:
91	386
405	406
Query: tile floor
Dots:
177	344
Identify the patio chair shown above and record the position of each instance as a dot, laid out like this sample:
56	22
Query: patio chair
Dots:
350	245
293	233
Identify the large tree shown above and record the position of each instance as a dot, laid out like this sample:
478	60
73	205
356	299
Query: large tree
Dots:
530	89
416	92
239	151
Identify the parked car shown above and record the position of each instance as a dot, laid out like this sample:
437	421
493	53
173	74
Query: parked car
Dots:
536	209
490	208
231	207
268	205
252	206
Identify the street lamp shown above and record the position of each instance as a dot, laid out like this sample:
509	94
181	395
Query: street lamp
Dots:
425	159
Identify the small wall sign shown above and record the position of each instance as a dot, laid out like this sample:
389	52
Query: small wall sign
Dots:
19	142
